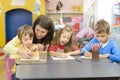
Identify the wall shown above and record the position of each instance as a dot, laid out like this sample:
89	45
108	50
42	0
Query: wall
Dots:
6	6
89	10
67	5
104	10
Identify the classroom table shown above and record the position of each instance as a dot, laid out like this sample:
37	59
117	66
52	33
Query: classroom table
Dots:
78	68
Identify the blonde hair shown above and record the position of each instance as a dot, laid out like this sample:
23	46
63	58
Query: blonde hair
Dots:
102	26
67	28
25	30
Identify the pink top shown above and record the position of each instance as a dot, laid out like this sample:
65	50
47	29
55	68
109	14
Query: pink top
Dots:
86	32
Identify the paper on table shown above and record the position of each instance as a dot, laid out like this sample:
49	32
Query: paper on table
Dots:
85	57
68	58
82	57
36	58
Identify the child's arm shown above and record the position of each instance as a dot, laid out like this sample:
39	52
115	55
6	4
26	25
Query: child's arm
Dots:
57	54
21	54
87	54
76	52
103	56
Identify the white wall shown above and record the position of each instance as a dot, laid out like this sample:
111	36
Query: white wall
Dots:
104	9
88	11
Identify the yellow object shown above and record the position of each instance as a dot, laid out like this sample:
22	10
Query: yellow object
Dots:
77	8
9	48
12	4
81	8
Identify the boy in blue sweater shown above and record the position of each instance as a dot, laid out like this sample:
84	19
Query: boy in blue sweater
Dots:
108	48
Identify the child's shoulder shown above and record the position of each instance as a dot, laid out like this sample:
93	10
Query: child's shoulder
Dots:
95	40
111	41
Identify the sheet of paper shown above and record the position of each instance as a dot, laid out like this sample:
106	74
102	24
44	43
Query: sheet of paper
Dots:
36	58
57	58
82	57
85	57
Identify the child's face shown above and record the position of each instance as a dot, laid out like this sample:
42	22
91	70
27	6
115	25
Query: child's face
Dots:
64	38
102	37
26	40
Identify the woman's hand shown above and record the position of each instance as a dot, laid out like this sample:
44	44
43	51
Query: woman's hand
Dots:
40	47
24	54
34	48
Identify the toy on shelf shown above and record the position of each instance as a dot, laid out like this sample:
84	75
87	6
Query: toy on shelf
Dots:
59	6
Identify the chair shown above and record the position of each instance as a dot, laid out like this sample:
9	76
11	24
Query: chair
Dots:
83	41
9	64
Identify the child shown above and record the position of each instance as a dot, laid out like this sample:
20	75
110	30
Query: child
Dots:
25	34
108	48
62	45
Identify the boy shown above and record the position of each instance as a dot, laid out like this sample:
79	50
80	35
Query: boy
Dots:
108	48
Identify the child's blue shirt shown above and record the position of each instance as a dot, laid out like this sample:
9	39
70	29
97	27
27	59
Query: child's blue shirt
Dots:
111	48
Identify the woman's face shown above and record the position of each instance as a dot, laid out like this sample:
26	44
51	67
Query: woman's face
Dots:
40	32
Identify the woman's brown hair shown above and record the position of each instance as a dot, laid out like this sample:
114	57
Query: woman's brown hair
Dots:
46	23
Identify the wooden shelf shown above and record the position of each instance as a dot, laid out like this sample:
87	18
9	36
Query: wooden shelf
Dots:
64	12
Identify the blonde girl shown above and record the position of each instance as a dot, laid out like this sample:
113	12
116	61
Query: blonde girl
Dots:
62	45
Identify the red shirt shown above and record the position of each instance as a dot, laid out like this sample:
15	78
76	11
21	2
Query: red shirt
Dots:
60	48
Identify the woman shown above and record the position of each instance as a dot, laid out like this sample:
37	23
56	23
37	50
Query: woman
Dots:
43	28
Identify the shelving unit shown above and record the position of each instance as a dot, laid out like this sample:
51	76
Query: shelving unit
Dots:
56	15
70	14
115	28
64	12
74	8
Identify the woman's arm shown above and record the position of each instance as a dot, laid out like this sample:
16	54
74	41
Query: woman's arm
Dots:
11	46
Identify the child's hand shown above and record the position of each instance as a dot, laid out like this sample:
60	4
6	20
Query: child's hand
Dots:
88	57
62	55
103	56
34	48
24	54
68	54
87	54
